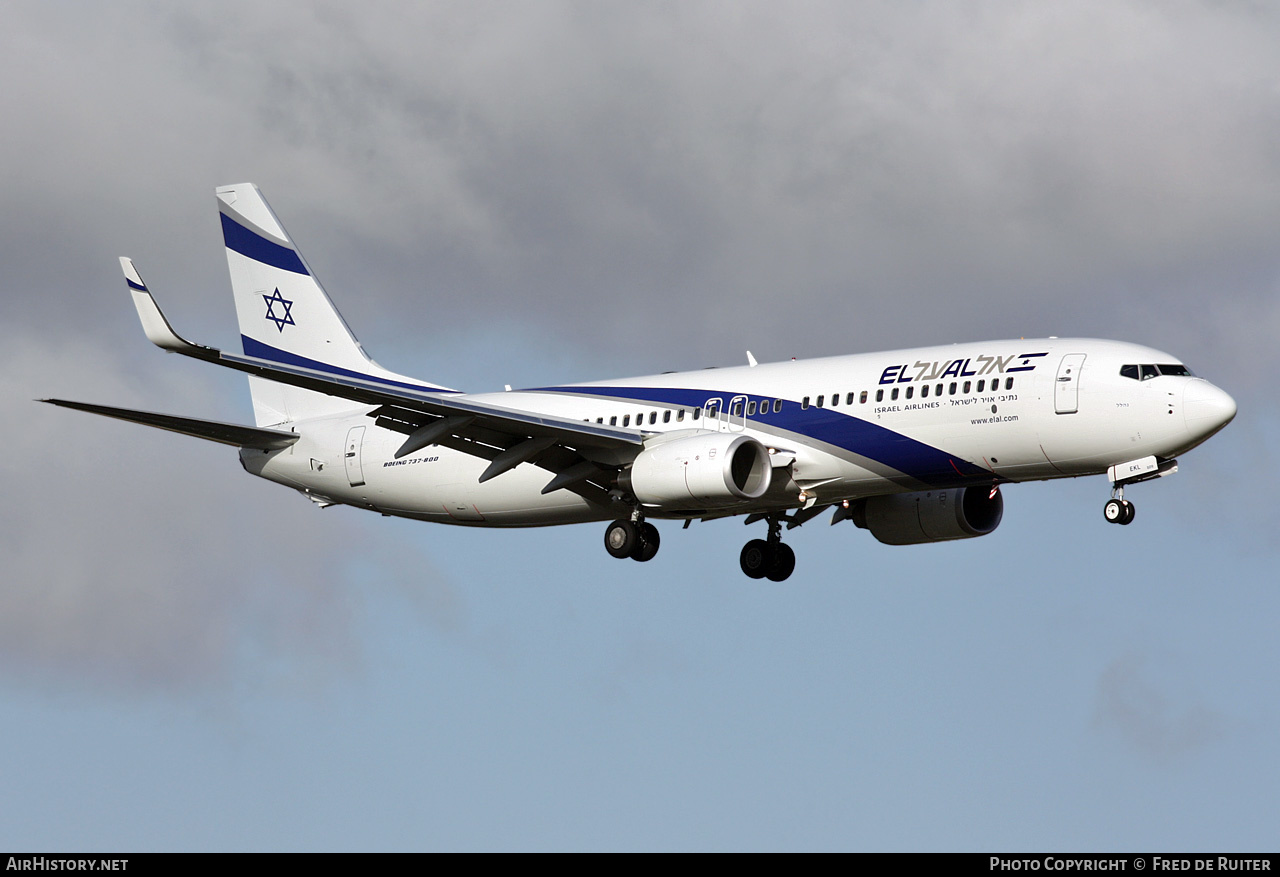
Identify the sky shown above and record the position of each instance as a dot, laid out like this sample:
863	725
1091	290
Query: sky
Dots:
538	193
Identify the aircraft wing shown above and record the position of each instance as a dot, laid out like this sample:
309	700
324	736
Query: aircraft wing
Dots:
505	436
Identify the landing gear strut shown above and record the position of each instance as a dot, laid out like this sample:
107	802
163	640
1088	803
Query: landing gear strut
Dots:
1118	510
769	558
637	539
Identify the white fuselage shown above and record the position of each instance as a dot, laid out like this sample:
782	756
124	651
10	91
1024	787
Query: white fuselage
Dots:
839	428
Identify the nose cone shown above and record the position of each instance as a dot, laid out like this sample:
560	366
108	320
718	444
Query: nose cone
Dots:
1206	408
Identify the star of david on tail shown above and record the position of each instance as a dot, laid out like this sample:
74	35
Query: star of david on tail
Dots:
277	299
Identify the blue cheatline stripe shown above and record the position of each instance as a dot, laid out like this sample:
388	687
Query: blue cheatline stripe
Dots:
916	459
137	286
258	349
258	248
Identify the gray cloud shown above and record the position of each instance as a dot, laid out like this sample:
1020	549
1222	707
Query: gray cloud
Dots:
138	559
1148	718
658	178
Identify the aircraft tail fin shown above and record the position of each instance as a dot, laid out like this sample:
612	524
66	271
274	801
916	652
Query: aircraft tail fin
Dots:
284	313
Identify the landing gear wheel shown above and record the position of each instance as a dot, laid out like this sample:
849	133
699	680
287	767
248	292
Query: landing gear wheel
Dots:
621	538
782	564
1128	512
1114	511
755	558
647	547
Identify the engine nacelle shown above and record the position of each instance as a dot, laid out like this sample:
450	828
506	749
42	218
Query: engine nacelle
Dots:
931	515
700	471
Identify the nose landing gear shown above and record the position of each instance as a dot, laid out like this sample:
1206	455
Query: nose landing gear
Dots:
1118	510
769	558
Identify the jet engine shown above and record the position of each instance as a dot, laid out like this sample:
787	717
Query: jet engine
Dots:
700	471
930	516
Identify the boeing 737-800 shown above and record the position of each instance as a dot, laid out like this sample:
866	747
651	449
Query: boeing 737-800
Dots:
911	445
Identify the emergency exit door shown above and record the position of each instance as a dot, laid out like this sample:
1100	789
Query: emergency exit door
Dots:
1066	390
351	455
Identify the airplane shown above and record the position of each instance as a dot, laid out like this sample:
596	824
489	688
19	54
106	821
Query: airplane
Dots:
911	445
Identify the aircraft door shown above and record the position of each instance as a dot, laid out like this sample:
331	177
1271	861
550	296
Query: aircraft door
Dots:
1067	387
355	468
715	415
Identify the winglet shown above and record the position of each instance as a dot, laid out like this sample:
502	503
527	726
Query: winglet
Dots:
158	330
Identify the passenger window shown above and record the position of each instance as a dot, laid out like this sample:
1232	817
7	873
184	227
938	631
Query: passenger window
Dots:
713	410
981	384
848	400
1008	383
820	398
1129	371
613	421
937	391
894	394
924	392
626	420
835	400
666	416
879	395
680	416
804	403
737	409
653	417
968	385
862	400
777	405
695	414
909	391
952	389
751	408
600	420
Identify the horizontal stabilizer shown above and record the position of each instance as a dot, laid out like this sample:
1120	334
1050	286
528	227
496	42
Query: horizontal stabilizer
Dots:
214	431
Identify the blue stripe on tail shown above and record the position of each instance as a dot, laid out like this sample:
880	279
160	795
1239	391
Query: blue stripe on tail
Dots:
258	248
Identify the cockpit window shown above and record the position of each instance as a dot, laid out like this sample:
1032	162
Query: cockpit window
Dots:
1146	371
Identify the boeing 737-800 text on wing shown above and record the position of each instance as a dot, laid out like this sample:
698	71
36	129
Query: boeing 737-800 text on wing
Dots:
911	445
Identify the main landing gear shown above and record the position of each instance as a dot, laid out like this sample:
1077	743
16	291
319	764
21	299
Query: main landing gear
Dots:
1118	510
771	559
637	539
